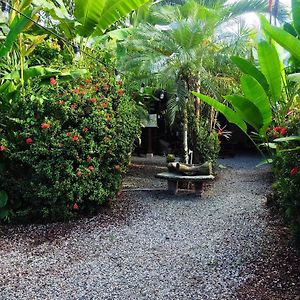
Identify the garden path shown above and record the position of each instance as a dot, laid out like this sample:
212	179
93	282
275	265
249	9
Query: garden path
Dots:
152	245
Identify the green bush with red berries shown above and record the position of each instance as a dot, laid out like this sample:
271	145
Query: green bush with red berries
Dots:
64	148
286	168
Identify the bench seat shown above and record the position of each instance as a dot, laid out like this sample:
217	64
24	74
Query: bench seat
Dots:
175	179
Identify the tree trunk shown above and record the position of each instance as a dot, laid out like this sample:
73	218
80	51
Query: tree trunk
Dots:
185	136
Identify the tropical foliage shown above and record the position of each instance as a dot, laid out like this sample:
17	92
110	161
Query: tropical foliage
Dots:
181	49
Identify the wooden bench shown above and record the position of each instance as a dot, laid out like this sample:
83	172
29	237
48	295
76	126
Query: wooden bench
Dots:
174	181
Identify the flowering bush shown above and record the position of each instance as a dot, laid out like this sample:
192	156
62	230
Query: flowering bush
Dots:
287	174
65	148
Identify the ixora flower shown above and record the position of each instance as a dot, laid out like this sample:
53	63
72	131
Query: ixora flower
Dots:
75	138
28	140
2	148
294	171
283	131
52	81
78	174
91	168
93	100
45	125
76	91
106	87
117	167
69	133
120	91
75	206
85	129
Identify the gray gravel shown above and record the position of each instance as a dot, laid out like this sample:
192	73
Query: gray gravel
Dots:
150	245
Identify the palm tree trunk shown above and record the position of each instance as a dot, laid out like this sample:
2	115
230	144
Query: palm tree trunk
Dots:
185	135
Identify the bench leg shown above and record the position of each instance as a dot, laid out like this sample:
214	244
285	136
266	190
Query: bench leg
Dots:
173	186
198	188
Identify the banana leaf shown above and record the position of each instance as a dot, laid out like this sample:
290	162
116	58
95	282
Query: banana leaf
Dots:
247	110
296	15
114	10
271	68
88	13
256	94
283	38
17	26
294	77
230	114
247	68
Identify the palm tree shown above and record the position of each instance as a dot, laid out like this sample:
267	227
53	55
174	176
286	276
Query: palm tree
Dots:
180	51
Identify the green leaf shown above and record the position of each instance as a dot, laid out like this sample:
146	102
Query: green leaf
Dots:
36	71
283	38
294	77
269	145
296	15
3	199
288	138
230	115
246	67
265	162
247	110
16	27
290	29
271	68
115	10
256	94
4	213
88	13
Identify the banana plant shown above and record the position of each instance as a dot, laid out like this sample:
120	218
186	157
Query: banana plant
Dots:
289	36
263	93
91	17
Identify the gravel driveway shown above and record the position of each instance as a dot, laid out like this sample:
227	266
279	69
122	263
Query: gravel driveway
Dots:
151	245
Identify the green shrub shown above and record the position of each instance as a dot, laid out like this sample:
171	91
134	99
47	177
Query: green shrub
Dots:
286	168
205	144
65	148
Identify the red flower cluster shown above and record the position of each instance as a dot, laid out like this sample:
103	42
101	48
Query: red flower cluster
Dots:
85	129
76	91
280	130
75	206
91	168
45	125
294	171
2	148
117	167
106	87
93	100
28	140
120	91
52	81
75	138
